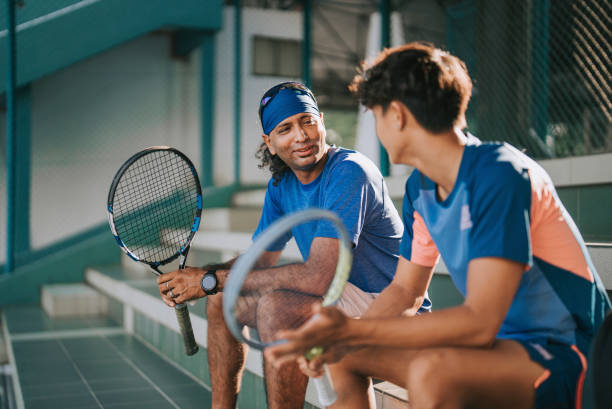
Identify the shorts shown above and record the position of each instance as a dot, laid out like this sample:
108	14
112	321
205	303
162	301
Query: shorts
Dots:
354	301
561	384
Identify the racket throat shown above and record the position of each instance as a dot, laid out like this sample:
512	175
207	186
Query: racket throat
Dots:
155	270
183	258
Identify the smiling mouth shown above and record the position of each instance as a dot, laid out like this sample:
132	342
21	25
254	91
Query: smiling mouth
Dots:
304	151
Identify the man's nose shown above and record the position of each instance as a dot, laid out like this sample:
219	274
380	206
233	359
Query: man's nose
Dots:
300	135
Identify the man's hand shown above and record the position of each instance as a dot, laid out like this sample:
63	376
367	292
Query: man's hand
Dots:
184	285
325	330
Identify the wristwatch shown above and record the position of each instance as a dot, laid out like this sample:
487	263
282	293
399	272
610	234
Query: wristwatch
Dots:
209	282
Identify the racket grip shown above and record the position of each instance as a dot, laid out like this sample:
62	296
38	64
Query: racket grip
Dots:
184	322
325	388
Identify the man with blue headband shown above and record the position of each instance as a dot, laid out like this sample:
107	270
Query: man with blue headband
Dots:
306	172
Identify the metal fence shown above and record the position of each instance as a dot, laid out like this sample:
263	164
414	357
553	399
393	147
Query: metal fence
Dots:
542	72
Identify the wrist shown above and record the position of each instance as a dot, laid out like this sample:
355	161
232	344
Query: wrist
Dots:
209	282
352	332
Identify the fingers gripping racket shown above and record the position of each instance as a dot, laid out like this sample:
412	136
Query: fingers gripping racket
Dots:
238	299
154	208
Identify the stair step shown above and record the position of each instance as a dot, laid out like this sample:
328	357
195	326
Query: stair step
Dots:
73	300
390	396
243	219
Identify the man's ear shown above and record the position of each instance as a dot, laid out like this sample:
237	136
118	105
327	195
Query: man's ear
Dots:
266	139
322	120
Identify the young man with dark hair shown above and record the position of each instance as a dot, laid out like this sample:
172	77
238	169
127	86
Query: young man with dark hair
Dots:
533	300
306	172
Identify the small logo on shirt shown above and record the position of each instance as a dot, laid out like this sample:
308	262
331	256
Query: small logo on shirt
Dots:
466	221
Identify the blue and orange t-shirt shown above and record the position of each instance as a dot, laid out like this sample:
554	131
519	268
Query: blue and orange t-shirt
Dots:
504	204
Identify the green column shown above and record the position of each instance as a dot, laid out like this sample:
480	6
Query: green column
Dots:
307	42
22	174
11	137
208	109
385	36
237	86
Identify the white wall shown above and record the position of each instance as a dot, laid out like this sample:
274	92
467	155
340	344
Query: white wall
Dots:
269	23
89	118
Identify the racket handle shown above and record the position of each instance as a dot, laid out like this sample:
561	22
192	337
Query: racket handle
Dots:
184	321
325	388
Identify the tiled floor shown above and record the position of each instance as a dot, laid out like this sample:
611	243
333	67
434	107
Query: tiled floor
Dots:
61	366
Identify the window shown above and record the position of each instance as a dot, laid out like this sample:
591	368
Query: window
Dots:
277	57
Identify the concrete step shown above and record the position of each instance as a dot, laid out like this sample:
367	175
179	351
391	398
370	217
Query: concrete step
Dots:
249	198
241	219
601	254
390	396
73	300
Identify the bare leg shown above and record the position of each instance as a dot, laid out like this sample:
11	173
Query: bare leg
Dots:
285	387
498	377
226	357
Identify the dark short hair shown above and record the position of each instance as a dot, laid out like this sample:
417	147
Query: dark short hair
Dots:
433	84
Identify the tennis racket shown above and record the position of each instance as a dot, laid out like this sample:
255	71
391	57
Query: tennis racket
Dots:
238	300
154	208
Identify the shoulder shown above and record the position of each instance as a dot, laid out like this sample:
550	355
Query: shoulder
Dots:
273	192
494	161
348	163
498	169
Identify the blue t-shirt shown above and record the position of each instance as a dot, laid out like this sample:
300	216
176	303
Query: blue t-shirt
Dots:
351	186
503	204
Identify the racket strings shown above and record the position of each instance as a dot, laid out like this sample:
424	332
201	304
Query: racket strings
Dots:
155	204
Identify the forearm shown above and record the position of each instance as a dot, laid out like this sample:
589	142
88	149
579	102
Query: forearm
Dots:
458	326
393	301
299	277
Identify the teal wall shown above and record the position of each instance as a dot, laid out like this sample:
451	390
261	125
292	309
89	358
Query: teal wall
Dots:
591	209
60	33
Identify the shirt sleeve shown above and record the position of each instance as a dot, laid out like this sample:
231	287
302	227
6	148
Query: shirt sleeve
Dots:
271	212
500	207
416	246
347	194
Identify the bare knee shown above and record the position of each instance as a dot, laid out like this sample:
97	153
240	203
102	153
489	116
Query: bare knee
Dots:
429	380
346	378
281	310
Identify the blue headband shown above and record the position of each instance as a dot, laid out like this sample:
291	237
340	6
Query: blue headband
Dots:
288	102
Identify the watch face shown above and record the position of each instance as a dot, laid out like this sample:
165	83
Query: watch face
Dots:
209	282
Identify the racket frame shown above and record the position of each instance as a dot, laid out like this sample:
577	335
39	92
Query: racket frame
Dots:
245	263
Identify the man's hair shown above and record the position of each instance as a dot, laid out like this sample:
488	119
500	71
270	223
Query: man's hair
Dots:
274	164
433	84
